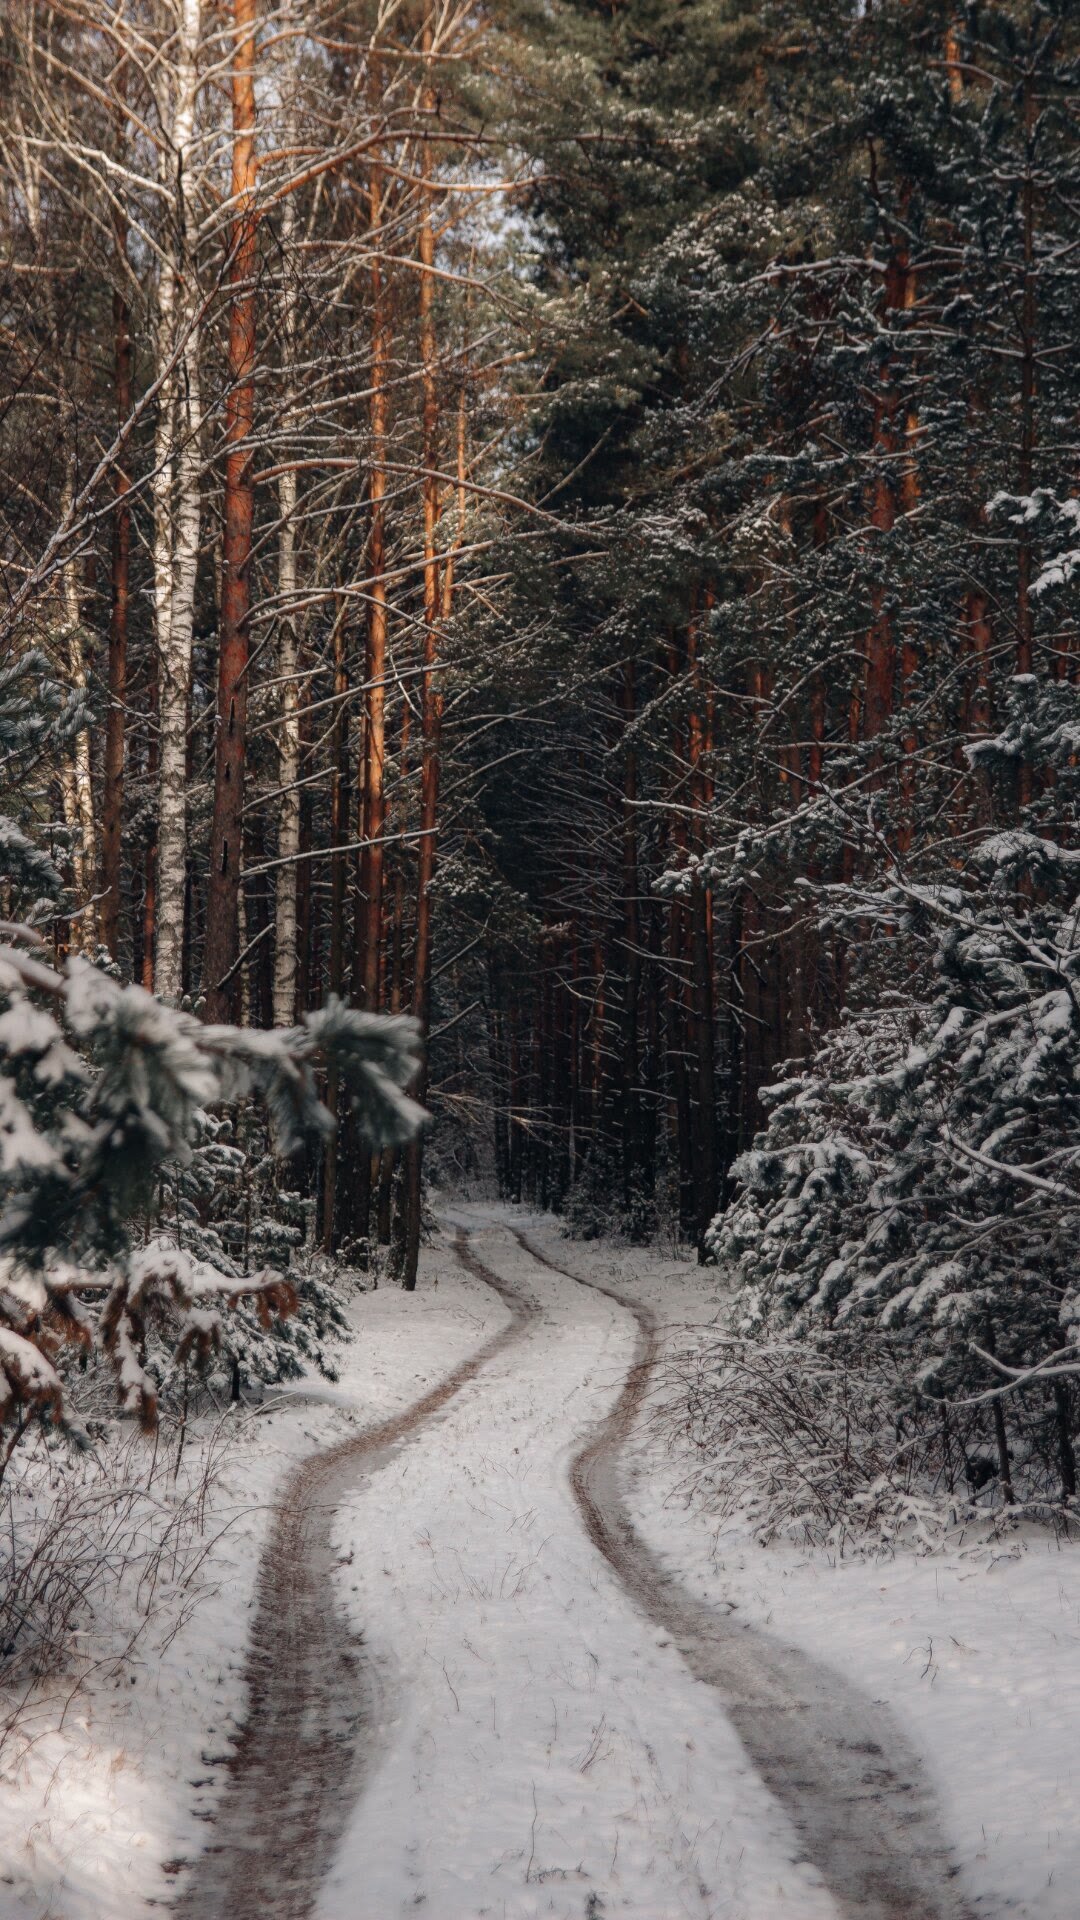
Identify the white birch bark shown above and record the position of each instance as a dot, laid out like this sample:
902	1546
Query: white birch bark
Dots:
76	786
182	516
164	437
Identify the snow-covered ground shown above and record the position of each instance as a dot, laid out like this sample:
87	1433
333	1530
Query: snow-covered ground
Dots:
551	1754
97	1813
543	1752
976	1650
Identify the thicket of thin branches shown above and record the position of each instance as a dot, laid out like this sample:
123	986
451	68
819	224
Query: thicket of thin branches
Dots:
824	1444
101	1554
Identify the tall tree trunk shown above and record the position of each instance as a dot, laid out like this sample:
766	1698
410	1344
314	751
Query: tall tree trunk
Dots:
879	685
517	1113
177	516
226	839
112	805
77	787
306	967
389	1161
1025	630
708	1190
437	606
701	954
375	667
288	844
145	943
631	1063
339	782
678	1012
374	788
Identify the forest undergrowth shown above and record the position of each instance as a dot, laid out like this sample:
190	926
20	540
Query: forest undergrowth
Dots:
824	1447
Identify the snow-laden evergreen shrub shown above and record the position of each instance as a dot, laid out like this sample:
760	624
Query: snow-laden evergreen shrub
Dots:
103	1096
598	1205
917	1186
227	1204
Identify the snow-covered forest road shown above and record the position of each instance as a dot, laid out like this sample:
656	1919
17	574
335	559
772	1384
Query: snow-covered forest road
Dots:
523	1713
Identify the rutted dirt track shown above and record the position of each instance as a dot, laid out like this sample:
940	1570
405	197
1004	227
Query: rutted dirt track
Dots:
312	1705
833	1760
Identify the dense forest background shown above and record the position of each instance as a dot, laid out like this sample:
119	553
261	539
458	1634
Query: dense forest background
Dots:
557	521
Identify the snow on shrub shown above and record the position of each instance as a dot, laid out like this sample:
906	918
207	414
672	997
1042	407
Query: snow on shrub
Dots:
804	1441
104	1094
916	1191
116	1539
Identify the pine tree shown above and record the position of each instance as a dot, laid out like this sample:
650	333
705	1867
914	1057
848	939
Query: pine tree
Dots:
103	1094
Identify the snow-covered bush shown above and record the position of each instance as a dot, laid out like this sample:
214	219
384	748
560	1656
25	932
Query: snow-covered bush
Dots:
598	1204
819	1442
102	1096
918	1183
590	1206
227	1204
116	1537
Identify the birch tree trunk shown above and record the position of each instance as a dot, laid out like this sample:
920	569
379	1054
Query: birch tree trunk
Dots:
226	837
178	514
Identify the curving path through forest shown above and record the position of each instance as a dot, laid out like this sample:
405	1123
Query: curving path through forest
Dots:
312	1698
833	1760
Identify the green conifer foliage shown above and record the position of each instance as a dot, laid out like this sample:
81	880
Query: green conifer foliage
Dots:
103	1094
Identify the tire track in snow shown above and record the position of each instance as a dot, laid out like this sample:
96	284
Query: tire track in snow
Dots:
834	1759
312	1698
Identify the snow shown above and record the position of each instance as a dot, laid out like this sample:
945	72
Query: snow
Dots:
541	1751
975	1649
96	1813
25	1365
546	1743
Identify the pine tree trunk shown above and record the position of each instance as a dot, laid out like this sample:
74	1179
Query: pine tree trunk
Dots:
1025	631
708	1193
516	1115
112	805
677	984
701	959
630	1050
437	607
77	788
375	669
338	815
288	842
879	689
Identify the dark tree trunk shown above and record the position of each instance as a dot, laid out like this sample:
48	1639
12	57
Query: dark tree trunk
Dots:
112	810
